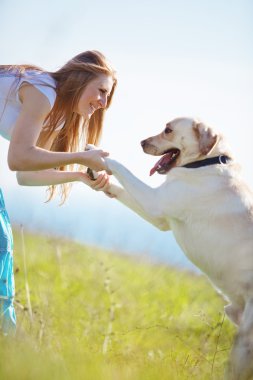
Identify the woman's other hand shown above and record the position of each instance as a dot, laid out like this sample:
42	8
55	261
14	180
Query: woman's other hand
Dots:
101	183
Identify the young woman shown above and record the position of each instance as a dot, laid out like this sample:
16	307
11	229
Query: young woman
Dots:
49	117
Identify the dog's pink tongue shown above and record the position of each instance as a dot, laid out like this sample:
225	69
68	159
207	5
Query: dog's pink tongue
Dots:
157	166
166	158
153	170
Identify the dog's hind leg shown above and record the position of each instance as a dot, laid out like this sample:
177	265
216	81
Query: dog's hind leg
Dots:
234	313
241	359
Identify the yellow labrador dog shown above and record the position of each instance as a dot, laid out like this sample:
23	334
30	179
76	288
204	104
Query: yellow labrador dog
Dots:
209	208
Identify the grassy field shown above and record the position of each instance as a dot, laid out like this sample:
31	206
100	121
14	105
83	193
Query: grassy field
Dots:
88	314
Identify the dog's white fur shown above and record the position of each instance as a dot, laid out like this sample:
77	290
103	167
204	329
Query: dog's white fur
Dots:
210	211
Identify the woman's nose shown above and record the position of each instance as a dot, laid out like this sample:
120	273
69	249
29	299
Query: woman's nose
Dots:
103	101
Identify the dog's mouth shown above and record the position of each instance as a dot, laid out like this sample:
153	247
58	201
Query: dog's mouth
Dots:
167	161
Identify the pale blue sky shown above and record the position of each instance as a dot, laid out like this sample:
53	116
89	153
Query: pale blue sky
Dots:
149	29
173	58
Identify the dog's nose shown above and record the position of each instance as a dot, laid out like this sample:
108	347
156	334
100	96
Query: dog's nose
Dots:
143	142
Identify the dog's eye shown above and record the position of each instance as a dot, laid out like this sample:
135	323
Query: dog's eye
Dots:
167	130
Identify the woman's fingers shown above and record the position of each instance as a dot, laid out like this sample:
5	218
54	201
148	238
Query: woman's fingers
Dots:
95	159
100	183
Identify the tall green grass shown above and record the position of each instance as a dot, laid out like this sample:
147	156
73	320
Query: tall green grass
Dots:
89	314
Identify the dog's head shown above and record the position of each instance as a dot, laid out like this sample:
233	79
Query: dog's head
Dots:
182	141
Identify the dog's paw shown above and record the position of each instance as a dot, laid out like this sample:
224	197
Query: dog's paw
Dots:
90	147
91	173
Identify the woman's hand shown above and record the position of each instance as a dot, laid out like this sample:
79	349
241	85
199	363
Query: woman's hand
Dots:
94	159
100	184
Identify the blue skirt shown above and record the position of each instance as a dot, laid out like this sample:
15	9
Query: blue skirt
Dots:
7	287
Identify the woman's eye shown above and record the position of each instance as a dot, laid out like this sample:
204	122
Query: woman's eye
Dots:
167	130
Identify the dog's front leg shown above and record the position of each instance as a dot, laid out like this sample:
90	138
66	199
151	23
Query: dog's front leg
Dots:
124	197
138	196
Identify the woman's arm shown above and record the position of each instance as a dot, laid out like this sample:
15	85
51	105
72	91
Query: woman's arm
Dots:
47	177
23	153
57	177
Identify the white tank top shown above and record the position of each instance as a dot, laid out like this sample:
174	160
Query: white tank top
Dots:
10	104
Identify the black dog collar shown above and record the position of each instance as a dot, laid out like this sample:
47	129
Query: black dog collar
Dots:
222	159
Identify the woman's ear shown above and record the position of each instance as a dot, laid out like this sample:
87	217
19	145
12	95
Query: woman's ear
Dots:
206	136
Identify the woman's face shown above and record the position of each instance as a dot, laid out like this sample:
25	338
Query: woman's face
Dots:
95	95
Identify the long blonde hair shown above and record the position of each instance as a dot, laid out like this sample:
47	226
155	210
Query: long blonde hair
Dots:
71	80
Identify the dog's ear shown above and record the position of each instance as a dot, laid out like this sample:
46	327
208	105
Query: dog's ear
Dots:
206	137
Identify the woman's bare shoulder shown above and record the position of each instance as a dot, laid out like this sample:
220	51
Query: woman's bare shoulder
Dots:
33	99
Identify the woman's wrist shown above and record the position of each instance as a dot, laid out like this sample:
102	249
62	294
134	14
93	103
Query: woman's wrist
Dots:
79	158
80	176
